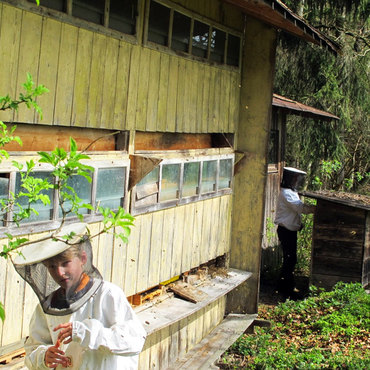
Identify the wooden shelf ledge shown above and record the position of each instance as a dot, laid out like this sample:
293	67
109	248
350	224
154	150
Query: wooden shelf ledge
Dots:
155	316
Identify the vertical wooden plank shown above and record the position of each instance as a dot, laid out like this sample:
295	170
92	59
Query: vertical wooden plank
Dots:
234	101
49	55
110	83
199	332
182	337
197	234
186	95
132	258
154	351
223	246
167	243
156	249
3	265
174	343
172	94
163	92
178	240
218	101
215	229
188	237
181	99
98	64
28	62
228	224
212	100
199	96
193	77
82	76
66	75
10	24
224	101
123	74
144	357
206	328
153	90
13	303
119	262
206	92
164	349
142	95
192	329
144	253
132	99
206	231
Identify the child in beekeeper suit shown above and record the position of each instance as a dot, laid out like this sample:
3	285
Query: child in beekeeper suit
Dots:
82	322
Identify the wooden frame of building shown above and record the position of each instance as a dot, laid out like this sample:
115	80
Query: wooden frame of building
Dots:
191	86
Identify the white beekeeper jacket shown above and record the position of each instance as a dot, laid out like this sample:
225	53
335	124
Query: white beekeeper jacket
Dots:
107	335
289	209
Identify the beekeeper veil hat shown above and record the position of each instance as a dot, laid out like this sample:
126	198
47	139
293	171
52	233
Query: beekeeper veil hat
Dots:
35	263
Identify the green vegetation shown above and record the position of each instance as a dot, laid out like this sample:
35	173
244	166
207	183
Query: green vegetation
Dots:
327	330
336	152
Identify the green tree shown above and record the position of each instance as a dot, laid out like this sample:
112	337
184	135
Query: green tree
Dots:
339	84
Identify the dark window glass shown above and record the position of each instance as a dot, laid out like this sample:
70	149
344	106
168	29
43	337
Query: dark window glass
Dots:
159	20
44	211
273	147
52	4
218	39
170	184
180	32
224	178
191	179
90	10
233	50
200	39
209	174
122	16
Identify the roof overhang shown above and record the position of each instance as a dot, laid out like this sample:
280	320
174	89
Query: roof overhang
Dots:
294	107
277	14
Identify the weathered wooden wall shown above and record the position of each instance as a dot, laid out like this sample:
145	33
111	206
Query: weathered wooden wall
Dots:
340	250
99	81
162	245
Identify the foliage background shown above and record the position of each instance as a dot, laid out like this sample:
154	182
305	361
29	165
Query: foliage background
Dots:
335	154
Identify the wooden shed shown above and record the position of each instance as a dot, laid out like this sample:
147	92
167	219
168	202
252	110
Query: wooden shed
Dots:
181	91
341	239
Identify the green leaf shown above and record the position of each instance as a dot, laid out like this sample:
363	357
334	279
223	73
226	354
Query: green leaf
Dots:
2	312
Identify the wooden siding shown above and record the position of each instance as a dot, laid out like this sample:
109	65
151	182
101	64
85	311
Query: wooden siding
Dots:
163	347
98	81
340	250
163	244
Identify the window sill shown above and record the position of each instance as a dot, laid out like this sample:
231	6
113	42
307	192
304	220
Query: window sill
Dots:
155	316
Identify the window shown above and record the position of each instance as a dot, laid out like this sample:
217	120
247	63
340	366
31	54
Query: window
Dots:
108	188
159	20
181	180
273	154
118	15
207	41
122	16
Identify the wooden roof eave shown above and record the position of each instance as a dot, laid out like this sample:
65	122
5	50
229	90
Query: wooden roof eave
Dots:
277	14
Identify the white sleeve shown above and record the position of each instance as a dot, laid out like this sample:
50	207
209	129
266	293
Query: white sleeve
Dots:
38	341
293	202
125	336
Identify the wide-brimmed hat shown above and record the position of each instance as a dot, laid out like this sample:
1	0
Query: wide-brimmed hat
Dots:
40	251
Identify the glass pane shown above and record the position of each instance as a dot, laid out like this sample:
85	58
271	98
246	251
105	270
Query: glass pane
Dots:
147	189
159	20
122	16
83	190
209	174
45	211
150	178
233	50
110	187
52	4
90	10
180	32
170	184
200	39
224	179
218	39
4	192
191	179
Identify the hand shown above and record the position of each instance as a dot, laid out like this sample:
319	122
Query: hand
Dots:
65	334
54	357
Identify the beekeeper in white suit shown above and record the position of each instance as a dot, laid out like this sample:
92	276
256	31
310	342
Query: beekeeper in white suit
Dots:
82	322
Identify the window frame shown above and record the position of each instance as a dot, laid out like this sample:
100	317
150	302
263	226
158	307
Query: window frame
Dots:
97	161
193	17
181	160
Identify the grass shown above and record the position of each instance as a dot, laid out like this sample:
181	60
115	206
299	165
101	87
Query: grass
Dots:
327	330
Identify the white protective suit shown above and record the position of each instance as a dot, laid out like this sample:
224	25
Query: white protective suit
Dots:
106	333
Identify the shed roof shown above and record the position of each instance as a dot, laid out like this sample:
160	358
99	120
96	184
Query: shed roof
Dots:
301	109
277	14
